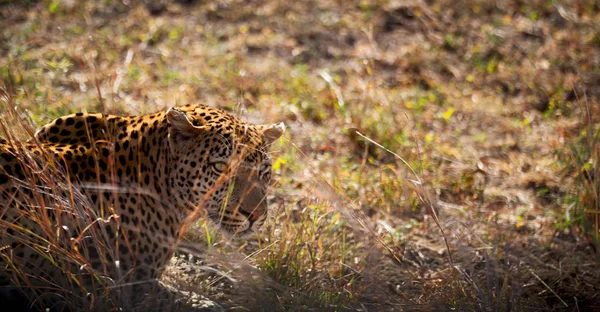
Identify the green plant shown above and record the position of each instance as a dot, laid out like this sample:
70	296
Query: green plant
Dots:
586	157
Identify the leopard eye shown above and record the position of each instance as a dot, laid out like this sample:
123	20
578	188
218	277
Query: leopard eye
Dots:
219	167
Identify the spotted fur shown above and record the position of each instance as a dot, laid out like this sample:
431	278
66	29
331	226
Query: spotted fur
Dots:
137	180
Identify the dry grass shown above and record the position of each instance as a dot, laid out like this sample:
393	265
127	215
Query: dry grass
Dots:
48	207
493	104
44	213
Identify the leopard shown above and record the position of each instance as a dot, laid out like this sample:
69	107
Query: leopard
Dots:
112	195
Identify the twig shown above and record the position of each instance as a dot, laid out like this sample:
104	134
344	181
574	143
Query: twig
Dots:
548	287
396	155
338	93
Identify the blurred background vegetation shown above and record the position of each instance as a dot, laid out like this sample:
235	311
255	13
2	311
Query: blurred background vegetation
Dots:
439	154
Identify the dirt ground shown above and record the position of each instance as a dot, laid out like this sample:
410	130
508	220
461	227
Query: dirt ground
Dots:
438	153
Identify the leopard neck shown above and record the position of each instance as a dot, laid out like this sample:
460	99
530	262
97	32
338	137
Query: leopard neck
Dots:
141	154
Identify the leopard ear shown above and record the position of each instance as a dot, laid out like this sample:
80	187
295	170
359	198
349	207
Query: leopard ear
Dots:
273	132
181	126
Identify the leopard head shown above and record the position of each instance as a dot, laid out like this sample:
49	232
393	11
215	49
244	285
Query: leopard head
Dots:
221	165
